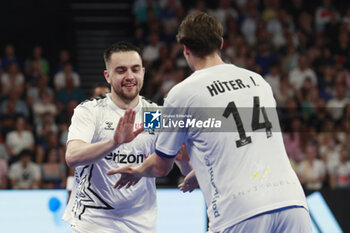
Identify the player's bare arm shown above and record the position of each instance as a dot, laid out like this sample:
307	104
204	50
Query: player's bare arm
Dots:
183	161
154	166
82	153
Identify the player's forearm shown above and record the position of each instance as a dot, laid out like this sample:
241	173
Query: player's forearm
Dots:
184	166
156	166
82	153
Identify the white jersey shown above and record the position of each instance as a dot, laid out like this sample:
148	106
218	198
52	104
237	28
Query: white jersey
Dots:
95	206
243	172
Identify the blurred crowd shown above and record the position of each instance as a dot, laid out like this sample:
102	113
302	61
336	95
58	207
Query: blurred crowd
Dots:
36	103
302	48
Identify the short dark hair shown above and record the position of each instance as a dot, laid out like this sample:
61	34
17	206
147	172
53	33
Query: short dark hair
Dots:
201	33
25	152
121	46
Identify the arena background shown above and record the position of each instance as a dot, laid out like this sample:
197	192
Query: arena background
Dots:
267	36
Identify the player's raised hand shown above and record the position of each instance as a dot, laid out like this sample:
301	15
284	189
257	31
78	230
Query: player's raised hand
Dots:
128	176
190	183
125	128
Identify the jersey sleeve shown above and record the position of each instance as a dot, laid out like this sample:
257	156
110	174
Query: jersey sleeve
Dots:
169	143
82	125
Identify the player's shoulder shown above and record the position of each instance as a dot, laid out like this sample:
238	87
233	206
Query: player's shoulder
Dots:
100	100
147	102
185	86
247	72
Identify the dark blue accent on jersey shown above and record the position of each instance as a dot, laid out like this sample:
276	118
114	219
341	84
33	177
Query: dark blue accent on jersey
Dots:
163	155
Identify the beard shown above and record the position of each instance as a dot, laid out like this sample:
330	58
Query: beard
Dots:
127	95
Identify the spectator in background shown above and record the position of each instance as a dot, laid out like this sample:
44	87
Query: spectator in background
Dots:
7	119
3	174
321	115
9	57
37	56
50	142
168	15
292	141
232	39
43	105
19	139
53	171
199	6
278	25
166	72
14	103
345	121
338	102
164	54
340	173
33	73
304	90
241	56
64	119
323	14
45	126
341	49
141	8
332	27
12	78
298	75
164	89
25	174
66	114
290	61
68	92
329	149
64	57
304	30
61	77
224	11
151	51
3	151
265	57
326	77
310	102
100	89
42	85
311	170
346	18
164	3
273	76
249	24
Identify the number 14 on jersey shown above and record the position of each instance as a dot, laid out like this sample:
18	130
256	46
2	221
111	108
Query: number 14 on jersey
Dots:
243	139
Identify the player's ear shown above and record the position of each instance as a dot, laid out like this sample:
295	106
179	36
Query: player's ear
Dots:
186	50
222	43
106	74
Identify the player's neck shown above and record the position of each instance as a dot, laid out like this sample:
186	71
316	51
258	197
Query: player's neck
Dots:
206	62
124	103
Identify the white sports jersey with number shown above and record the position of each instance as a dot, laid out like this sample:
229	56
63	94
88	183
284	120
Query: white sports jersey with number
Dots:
243	172
95	206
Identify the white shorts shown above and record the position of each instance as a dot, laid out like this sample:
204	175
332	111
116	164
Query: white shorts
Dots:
286	220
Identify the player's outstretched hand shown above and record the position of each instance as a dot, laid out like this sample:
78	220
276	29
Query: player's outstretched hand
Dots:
125	128
128	176
190	183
